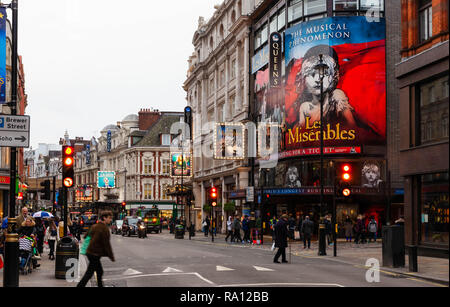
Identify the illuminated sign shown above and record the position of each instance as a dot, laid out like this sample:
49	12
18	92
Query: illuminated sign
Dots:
106	180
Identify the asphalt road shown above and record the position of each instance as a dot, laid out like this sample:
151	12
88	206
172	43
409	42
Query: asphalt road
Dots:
162	261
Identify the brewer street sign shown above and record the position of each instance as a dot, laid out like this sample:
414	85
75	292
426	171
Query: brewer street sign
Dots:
14	131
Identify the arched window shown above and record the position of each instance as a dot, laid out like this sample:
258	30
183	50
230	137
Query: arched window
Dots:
221	32
211	43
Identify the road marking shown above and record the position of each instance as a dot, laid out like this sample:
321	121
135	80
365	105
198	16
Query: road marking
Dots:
131	272
428	282
171	270
162	274
258	268
222	268
283	284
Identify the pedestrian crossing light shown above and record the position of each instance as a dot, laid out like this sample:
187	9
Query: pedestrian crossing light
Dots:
68	164
346	173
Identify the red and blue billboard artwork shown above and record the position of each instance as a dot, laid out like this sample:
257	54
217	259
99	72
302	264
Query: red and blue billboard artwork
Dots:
354	83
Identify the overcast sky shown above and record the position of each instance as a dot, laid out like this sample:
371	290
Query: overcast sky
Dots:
89	63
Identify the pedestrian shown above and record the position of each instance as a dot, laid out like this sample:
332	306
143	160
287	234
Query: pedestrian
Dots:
359	230
51	235
348	227
206	224
99	246
246	229
291	223
273	221
22	217
329	229
372	229
61	228
229	229
40	233
281	239
237	230
307	229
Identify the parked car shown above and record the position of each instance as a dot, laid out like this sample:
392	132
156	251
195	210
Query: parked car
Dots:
116	227
129	226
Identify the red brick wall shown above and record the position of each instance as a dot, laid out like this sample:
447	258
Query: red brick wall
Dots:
147	118
410	26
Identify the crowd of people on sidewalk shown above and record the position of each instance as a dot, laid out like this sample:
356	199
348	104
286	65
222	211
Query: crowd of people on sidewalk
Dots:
34	233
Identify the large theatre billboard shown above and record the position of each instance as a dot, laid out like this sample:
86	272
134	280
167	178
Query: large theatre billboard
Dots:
354	85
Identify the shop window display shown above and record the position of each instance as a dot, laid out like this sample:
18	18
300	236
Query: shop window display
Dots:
434	196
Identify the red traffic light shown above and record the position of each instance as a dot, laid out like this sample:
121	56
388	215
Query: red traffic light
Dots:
213	193
68	161
346	174
124	204
68	150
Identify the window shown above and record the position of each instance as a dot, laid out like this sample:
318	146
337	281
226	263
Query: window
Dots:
425	20
148	191
372	4
281	19
257	39
344	5
434	209
233	69
164	195
264	34
295	10
147	166
165	140
433	113
165	167
273	26
315	6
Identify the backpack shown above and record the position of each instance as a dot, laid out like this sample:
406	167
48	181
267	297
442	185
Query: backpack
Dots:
373	227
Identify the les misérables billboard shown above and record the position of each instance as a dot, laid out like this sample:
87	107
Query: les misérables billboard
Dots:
354	85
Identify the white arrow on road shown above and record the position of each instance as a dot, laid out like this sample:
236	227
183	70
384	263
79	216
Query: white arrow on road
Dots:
258	268
131	272
222	268
171	270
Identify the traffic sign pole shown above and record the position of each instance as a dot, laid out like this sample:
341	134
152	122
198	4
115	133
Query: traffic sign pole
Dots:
11	266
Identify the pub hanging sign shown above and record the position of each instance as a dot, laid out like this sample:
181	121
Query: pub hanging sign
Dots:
275	60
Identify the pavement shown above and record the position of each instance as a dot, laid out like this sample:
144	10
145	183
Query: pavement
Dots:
433	270
429	268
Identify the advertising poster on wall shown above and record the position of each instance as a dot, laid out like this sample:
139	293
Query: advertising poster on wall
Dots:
181	164
354	85
2	55
106	180
229	141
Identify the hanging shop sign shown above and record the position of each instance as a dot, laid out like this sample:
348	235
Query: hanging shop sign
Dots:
229	141
275	60
181	165
106	180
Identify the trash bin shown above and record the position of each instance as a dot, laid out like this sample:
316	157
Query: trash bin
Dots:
67	254
393	246
179	232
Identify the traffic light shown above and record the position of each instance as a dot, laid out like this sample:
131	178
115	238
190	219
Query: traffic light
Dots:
68	164
46	189
345	180
213	193
188	119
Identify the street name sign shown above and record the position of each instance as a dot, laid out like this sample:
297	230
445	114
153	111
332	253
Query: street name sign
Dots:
15	131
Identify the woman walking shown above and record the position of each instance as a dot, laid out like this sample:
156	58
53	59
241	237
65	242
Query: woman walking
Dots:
99	246
51	235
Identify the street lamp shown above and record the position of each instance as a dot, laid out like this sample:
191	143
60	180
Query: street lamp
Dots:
320	70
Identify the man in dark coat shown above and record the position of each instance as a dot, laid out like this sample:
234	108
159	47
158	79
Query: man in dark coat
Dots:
99	246
281	238
307	229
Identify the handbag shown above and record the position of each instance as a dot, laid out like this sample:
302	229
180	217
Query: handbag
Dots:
85	244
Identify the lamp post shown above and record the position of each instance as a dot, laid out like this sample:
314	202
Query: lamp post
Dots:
11	263
320	70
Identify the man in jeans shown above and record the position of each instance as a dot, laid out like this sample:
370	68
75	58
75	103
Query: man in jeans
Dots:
99	246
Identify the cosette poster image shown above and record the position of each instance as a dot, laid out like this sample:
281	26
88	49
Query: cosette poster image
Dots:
354	83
